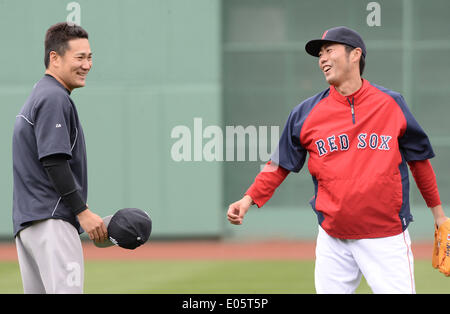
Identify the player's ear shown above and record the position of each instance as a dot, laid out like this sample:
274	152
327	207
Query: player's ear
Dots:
54	59
355	55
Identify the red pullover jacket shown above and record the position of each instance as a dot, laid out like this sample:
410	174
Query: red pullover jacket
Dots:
358	146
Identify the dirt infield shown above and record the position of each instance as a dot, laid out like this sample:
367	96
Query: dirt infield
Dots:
212	250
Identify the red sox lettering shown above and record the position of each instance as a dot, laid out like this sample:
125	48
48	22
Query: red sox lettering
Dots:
342	143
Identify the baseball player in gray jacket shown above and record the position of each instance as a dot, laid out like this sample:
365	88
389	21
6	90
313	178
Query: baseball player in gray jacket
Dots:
50	171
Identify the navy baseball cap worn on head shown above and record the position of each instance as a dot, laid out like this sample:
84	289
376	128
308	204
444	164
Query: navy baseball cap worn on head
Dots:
127	228
341	35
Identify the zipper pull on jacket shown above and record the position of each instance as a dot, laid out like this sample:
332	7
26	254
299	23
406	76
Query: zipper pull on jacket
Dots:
352	107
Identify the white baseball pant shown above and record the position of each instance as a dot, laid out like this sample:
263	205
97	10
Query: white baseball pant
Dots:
50	258
386	263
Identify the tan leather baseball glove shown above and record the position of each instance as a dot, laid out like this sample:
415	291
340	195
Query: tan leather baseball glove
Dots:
441	250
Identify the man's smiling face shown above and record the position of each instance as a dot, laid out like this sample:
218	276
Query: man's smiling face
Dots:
73	67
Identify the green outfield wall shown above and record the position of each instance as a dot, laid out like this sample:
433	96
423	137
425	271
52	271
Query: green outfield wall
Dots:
176	83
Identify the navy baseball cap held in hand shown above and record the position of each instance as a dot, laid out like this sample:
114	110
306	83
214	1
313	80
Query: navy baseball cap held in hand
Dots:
127	228
341	35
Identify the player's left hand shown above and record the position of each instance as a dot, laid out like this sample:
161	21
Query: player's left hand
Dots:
93	225
439	221
441	250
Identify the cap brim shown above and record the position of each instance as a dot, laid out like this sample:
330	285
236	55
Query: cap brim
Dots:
313	46
106	243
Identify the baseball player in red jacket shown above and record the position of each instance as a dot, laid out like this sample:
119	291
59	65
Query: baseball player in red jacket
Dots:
360	138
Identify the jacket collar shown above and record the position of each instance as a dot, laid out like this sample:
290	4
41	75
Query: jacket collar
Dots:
355	96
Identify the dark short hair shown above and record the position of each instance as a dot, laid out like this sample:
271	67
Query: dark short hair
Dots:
362	61
58	36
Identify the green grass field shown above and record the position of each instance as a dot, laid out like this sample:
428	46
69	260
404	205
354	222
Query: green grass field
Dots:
205	277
